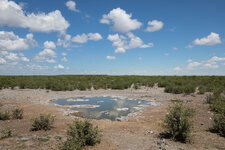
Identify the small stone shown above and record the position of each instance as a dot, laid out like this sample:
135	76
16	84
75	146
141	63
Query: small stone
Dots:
159	143
24	139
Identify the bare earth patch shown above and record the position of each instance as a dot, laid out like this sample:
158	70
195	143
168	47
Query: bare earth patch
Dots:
137	133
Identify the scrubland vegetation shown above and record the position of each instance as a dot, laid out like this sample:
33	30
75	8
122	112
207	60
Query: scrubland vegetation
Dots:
217	105
177	123
16	114
172	84
80	134
43	122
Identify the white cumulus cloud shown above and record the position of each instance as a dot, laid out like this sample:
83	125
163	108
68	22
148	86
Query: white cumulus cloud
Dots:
12	57
12	14
211	39
123	43
25	59
46	55
65	42
49	45
15	57
122	22
80	38
59	67
72	5
94	36
154	25
83	38
9	41
215	58
192	65
208	65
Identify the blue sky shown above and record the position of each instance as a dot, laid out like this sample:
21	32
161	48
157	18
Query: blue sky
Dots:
129	37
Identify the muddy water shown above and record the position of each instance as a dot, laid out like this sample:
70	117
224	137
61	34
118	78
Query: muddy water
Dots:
102	107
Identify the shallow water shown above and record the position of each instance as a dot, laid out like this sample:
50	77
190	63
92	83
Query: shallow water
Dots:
103	107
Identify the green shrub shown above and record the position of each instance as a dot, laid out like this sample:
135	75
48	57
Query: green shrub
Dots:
6	133
201	90
43	122
5	115
210	98
45	139
218	106
219	124
17	113
80	134
189	89
217	103
72	144
1	104
177	123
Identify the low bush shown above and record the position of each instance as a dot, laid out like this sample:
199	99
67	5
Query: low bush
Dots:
1	104
177	123
6	133
218	106
80	134
210	98
17	113
43	122
5	115
219	124
72	144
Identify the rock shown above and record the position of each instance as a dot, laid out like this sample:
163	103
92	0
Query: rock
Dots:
159	143
122	109
118	119
147	132
24	139
122	118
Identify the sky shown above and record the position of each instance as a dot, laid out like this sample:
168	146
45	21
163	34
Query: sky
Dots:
112	37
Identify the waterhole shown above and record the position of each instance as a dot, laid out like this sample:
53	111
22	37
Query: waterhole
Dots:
112	108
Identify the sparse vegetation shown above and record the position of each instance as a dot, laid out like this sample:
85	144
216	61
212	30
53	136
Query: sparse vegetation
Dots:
6	133
58	137
219	124
4	115
43	122
46	139
17	113
217	105
80	134
177	123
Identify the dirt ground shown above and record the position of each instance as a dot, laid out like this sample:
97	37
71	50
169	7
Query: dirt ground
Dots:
132	134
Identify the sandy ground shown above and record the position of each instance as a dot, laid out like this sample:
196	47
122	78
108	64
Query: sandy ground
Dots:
132	134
